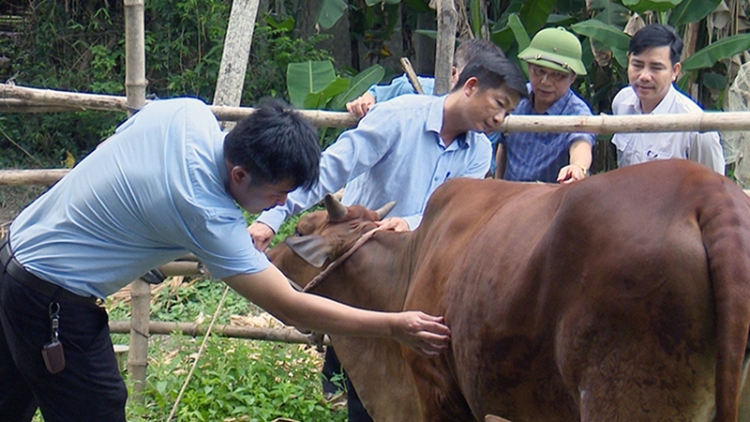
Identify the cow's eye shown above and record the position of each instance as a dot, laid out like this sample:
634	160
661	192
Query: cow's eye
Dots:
297	233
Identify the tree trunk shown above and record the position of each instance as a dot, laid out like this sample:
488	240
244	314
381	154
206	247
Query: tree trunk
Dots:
236	54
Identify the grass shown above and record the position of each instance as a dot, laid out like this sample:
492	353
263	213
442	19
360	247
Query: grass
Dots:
236	379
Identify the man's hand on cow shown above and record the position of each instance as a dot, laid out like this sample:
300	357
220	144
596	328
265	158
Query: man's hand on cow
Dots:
426	334
397	224
261	234
360	106
571	173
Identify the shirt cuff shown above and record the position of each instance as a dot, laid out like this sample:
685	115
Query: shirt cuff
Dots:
273	218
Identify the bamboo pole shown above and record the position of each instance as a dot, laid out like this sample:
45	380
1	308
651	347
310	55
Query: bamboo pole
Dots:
72	101
446	44
31	177
135	91
233	331
237	44
135	55
411	74
600	124
140	293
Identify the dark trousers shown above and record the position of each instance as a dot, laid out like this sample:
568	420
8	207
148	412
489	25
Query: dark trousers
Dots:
90	387
331	367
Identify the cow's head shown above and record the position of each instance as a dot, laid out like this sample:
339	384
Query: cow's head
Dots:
322	236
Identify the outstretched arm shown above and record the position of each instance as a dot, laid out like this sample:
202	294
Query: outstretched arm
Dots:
270	290
580	162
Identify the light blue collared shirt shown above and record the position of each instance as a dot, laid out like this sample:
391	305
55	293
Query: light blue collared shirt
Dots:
394	154
153	192
400	86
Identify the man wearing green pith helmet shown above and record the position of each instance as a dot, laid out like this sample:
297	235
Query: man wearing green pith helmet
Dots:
554	61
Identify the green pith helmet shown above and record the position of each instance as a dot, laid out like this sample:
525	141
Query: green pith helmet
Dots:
556	49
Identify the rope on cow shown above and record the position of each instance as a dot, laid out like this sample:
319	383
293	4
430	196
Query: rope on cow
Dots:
333	265
200	351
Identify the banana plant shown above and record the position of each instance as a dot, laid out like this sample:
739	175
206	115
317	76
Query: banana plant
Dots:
315	85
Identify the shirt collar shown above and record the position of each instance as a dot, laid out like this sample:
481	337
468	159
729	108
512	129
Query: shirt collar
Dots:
435	123
526	106
662	108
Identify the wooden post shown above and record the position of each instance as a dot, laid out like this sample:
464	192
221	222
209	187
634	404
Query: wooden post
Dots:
412	75
135	91
446	44
135	55
236	54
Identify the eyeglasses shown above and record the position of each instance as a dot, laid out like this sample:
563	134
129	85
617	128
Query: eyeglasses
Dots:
552	75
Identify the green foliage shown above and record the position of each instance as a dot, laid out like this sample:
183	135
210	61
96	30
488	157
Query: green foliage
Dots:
235	378
79	46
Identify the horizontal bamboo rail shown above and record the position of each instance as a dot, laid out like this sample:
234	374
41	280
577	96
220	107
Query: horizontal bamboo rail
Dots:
10	95
15	98
234	331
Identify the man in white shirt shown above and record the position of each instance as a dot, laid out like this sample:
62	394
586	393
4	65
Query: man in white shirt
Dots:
653	67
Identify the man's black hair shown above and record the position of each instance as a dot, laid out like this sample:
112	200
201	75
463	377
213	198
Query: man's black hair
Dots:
275	144
493	71
470	48
657	35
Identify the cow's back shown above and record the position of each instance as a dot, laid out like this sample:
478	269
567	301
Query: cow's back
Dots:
591	300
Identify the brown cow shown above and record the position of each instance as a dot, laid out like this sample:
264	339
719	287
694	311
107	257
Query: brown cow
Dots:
624	297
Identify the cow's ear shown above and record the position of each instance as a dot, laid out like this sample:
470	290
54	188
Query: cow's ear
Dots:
313	248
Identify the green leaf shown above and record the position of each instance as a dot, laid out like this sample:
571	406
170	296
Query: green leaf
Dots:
613	14
600	31
534	14
722	49
372	2
621	56
304	78
358	85
318	100
690	11
330	12
475	17
640	6
430	33
286	25
713	80
419	6
522	37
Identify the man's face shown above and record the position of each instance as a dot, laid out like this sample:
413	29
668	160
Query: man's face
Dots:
486	109
548	85
256	197
651	73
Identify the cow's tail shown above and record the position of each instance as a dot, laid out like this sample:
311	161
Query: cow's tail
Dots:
724	220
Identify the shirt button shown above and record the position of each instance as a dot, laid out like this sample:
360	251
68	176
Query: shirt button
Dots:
435	179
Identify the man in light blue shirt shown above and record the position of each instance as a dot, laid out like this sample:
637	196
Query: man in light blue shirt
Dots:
166	183
401	85
403	149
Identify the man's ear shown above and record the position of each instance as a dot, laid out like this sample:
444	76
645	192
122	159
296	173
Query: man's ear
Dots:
471	85
676	71
237	174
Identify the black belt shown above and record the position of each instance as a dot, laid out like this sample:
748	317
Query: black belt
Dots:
18	272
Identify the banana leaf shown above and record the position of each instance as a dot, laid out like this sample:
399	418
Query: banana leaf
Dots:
609	35
318	100
722	49
534	14
690	11
330	12
308	77
358	85
641	6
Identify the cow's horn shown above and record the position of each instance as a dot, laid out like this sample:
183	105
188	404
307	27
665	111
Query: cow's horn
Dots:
385	209
336	210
